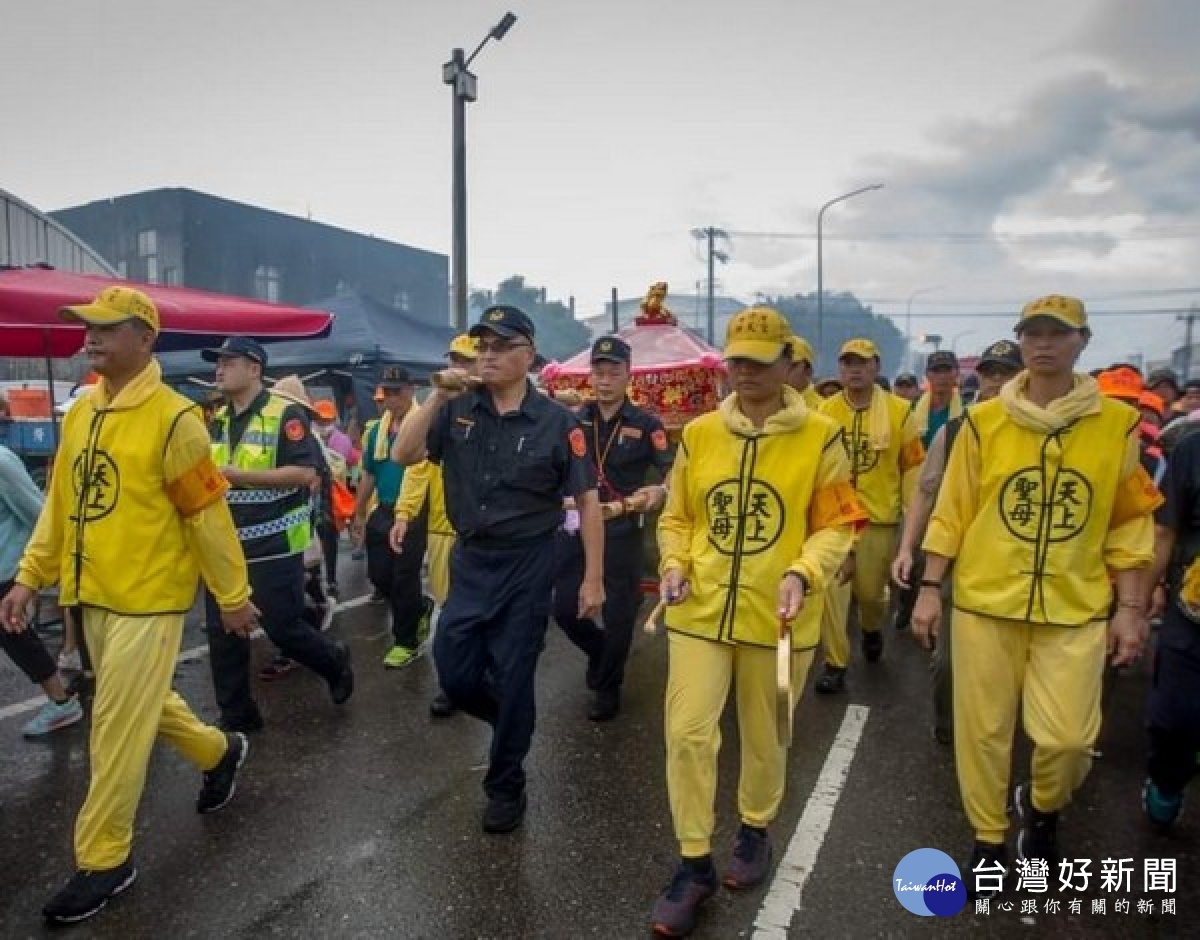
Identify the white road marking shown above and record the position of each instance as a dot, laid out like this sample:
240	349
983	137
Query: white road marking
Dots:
783	899
196	652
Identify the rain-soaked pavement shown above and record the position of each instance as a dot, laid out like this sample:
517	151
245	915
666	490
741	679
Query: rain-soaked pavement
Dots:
363	821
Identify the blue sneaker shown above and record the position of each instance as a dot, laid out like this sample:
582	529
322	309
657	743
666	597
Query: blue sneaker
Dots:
1160	809
54	716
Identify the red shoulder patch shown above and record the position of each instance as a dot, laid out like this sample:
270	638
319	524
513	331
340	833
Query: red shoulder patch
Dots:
294	430
660	440
578	442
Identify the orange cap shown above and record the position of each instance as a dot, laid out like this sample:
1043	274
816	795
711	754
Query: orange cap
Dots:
1153	402
1122	383
326	410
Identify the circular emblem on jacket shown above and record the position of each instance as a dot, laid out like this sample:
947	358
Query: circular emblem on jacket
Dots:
1046	507
97	484
750	519
863	457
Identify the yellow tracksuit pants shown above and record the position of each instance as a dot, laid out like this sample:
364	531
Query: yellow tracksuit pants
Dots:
437	553
873	556
1055	675
699	677
134	659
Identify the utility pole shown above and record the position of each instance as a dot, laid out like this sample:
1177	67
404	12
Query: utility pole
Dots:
616	317
1189	318
710	235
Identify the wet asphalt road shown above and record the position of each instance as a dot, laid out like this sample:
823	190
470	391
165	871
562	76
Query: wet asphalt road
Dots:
363	821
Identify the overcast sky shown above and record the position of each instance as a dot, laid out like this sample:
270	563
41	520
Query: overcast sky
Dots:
1024	145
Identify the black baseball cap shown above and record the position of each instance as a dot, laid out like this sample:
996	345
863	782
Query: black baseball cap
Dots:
904	378
941	359
1004	353
504	320
1163	377
611	349
242	346
394	377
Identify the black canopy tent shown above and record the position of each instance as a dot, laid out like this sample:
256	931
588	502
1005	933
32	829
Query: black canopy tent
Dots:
366	336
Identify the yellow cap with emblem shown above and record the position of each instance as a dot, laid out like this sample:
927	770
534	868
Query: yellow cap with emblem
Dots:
757	333
465	346
114	305
1066	310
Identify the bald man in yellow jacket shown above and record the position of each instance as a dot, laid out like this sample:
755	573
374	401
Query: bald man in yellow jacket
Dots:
1044	496
134	516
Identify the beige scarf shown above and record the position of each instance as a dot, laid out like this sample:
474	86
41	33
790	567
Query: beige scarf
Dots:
921	411
879	419
1083	399
383	428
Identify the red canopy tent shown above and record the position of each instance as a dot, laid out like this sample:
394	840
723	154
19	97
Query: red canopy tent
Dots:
675	373
31	297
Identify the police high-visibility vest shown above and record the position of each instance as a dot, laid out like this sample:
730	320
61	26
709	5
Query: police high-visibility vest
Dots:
1034	543
285	511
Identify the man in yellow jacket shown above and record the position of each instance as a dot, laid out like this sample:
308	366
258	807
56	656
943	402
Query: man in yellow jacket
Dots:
423	487
1044	495
759	518
801	376
884	447
134	517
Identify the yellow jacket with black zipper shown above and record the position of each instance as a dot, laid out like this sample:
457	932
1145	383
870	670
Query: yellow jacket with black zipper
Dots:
135	513
1037	505
744	507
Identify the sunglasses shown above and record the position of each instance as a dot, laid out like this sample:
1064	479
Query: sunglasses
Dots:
499	345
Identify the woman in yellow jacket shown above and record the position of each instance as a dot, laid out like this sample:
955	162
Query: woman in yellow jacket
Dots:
1044	494
760	516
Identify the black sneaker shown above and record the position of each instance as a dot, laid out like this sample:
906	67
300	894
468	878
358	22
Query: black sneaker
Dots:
872	646
832	680
440	706
503	814
675	910
751	859
1038	838
987	871
87	893
341	687
221	782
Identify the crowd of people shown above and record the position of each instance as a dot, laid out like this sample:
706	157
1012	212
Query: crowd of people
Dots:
1026	525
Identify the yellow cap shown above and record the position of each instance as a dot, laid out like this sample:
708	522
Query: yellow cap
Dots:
465	346
1066	310
802	351
115	305
757	333
863	348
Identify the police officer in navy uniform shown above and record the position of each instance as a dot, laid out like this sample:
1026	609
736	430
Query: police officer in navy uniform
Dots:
625	443
508	454
265	448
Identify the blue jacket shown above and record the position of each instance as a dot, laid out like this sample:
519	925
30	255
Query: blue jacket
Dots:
20	506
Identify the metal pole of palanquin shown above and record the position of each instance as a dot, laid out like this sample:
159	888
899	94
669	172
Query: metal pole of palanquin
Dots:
463	86
616	318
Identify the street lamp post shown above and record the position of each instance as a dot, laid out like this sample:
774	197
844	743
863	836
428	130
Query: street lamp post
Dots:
910	359
820	258
463	85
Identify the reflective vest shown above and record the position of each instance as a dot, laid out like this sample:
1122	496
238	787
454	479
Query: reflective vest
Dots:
1035	550
282	515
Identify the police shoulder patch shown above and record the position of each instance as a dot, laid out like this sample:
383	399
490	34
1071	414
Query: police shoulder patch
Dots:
578	442
294	430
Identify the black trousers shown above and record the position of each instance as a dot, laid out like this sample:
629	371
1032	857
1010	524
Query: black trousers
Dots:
398	576
1173	715
491	632
277	590
329	537
26	649
606	647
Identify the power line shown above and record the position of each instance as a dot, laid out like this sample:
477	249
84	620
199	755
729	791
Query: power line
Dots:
981	237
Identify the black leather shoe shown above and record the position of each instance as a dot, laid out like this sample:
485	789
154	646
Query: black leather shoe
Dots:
503	814
832	680
342	687
872	646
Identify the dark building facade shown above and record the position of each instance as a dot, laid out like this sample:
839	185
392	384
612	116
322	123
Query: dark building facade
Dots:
180	237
